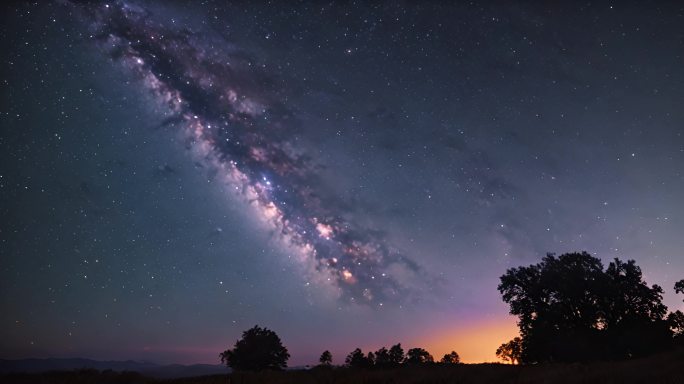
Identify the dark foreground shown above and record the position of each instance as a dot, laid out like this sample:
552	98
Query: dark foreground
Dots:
665	368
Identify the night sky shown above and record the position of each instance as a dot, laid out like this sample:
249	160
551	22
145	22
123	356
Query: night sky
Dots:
348	175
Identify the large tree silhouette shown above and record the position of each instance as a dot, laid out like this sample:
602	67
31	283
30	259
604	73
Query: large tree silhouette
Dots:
259	349
570	309
634	315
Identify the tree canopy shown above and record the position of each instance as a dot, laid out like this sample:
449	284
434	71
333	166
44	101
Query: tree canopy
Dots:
570	309
259	349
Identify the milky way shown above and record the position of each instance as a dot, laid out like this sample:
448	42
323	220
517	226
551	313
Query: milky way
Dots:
173	173
240	130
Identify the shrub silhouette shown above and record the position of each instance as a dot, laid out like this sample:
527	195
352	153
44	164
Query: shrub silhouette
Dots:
570	309
259	349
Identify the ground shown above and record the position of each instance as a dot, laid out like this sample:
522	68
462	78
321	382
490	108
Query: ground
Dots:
665	368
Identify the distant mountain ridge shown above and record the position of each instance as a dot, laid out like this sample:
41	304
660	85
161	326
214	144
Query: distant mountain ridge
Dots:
143	367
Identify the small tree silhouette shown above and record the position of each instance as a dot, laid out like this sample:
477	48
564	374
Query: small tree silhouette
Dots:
382	358
370	359
510	351
356	359
451	358
396	355
679	286
675	321
326	358
259	349
418	356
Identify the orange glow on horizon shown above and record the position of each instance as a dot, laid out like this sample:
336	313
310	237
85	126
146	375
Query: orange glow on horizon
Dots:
475	343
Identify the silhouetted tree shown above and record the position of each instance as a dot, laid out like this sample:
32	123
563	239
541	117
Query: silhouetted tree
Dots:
259	349
418	356
451	358
510	351
630	297
326	358
676	323
382	358
570	309
356	359
676	318
633	320
370	357
396	355
679	286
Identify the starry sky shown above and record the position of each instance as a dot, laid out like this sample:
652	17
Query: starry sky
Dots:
348	175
